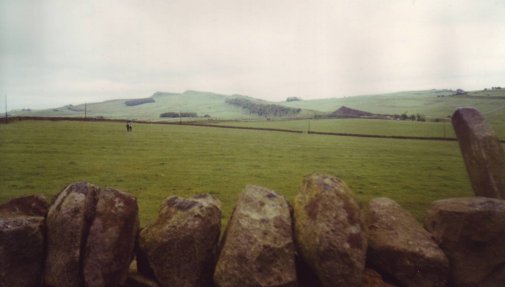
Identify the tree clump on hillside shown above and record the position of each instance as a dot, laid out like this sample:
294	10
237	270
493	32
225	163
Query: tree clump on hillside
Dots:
263	109
74	108
179	115
405	117
137	102
293	99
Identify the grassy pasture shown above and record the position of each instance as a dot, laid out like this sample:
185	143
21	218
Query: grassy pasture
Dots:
156	161
356	126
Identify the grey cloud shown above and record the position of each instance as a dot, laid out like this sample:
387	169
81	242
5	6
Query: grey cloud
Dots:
57	52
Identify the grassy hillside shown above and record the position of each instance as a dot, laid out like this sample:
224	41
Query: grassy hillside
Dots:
201	103
432	104
156	161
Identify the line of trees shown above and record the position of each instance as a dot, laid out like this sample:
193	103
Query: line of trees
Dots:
179	115
263	110
293	99
405	117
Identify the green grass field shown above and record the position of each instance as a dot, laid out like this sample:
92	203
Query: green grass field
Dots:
355	126
156	161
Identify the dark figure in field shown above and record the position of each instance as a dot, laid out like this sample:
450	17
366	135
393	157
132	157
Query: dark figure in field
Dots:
129	127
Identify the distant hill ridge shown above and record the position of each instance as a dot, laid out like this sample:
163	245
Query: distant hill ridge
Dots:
430	103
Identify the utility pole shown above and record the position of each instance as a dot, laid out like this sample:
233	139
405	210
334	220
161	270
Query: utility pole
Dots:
85	110
6	115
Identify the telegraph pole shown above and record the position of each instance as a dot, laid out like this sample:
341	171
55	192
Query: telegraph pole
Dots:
85	110
6	115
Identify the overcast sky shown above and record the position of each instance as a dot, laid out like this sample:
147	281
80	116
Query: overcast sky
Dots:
54	53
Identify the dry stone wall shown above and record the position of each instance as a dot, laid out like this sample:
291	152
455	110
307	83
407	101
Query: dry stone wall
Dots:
89	236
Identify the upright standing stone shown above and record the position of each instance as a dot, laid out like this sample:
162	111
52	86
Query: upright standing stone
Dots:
68	222
471	231
329	231
22	241
111	239
257	249
399	247
482	151
180	247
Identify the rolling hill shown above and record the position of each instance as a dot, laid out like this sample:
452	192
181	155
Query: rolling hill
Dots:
434	104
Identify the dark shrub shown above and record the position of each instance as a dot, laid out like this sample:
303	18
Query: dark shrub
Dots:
137	102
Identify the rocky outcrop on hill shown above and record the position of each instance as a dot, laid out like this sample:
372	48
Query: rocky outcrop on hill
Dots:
399	247
329	231
471	231
179	249
257	248
482	151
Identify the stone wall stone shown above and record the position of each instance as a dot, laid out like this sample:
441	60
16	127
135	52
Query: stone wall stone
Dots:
399	247
179	249
68	222
471	231
21	250
329	231
258	248
90	237
111	239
